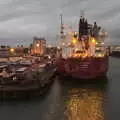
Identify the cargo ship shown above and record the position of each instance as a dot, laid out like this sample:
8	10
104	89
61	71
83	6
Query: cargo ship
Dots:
84	55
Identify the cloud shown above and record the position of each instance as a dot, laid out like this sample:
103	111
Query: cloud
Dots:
21	20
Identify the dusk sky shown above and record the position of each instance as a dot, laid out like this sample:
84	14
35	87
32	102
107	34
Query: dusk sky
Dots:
21	20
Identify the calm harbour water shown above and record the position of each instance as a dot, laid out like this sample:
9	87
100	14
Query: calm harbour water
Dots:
68	100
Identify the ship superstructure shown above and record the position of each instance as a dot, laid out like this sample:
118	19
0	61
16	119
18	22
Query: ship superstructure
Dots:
84	53
89	40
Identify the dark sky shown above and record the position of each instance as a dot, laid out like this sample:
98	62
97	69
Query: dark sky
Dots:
21	20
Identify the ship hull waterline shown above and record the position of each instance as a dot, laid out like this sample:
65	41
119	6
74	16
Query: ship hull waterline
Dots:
87	68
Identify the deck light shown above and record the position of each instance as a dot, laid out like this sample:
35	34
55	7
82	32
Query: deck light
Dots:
74	40
12	50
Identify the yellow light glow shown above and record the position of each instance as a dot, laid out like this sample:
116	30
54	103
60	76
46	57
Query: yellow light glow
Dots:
93	40
74	40
12	50
76	49
89	101
79	55
37	44
76	55
100	55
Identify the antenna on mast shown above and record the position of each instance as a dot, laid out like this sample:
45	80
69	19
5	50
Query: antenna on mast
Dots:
61	29
82	13
61	20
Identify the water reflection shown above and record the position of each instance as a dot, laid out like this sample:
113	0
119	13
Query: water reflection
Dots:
85	102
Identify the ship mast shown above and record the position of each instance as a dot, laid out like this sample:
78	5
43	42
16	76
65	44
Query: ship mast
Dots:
62	30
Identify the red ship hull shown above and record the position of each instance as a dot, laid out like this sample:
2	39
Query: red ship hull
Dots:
87	68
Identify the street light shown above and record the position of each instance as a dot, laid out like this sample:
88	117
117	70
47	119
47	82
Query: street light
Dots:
12	50
38	45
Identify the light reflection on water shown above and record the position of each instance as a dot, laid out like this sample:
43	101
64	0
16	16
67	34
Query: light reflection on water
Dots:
85	102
